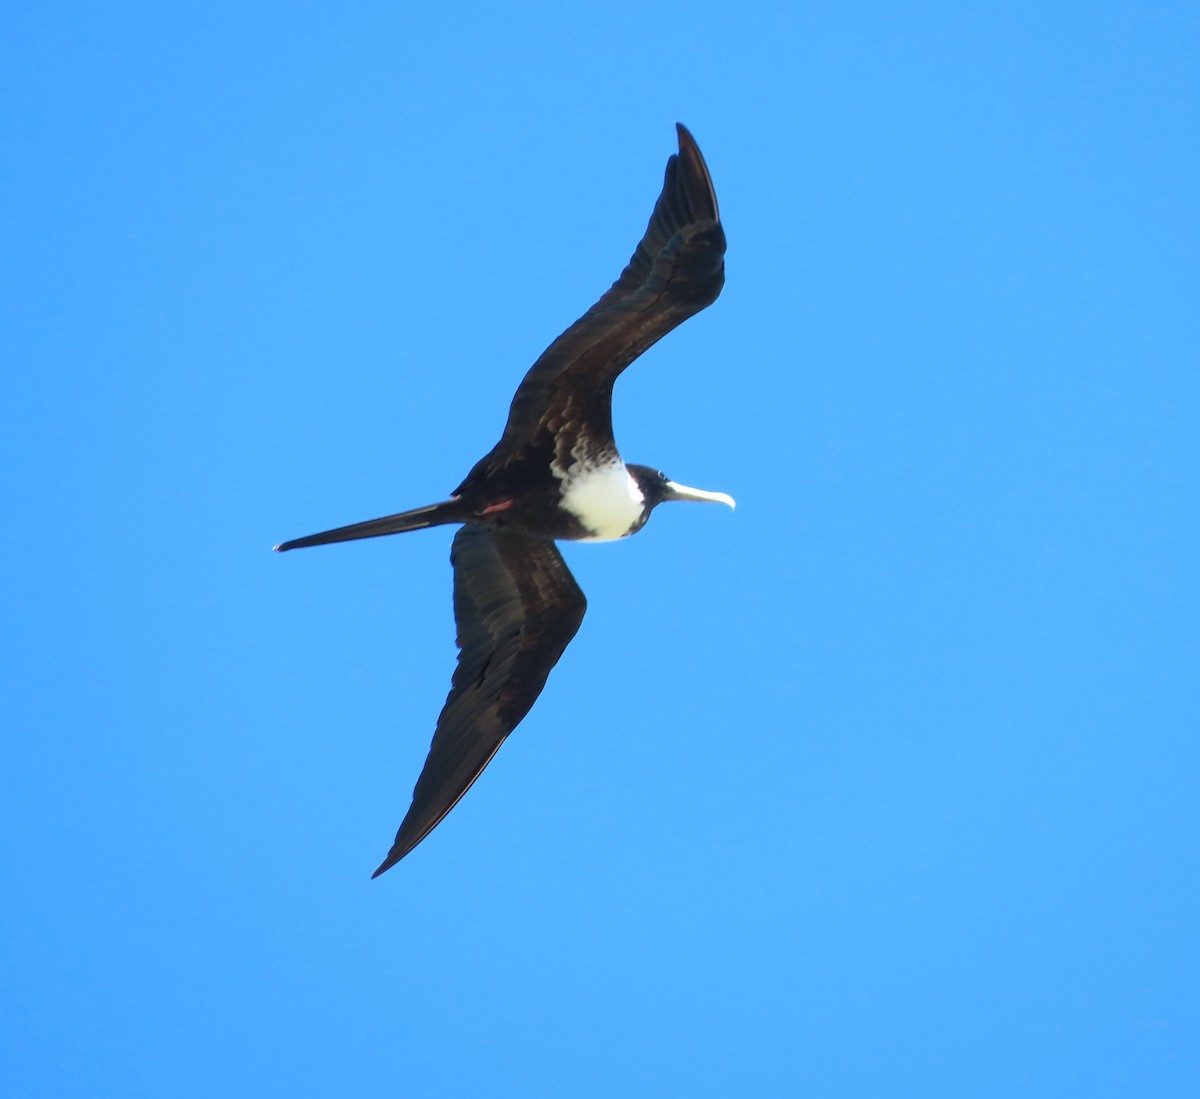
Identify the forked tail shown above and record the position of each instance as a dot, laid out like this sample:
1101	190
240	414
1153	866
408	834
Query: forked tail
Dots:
433	515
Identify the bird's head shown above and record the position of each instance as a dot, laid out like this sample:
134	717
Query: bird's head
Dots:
657	488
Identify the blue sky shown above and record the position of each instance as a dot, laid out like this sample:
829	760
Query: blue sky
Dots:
885	784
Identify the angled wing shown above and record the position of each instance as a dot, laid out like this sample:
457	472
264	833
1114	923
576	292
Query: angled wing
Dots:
677	269
517	608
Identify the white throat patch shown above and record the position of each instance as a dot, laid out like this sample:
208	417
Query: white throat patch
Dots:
606	500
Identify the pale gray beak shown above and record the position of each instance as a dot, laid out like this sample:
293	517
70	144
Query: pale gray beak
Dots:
682	492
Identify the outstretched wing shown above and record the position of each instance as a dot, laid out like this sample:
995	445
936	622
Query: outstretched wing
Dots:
517	607
677	269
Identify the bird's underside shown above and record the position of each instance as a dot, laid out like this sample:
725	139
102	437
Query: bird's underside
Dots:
516	605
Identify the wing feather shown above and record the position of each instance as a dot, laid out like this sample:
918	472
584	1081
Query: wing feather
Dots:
516	606
676	270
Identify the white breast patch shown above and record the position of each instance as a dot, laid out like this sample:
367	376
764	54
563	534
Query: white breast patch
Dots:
606	500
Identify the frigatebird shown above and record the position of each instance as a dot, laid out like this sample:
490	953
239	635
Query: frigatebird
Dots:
555	473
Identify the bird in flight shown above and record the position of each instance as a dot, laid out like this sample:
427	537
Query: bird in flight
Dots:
555	473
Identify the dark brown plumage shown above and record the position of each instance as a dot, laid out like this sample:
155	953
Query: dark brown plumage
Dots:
676	270
516	607
555	473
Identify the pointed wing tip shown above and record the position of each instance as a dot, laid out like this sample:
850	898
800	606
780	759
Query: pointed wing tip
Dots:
388	863
700	185
688	149
405	842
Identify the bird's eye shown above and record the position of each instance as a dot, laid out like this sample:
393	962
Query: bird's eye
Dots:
662	476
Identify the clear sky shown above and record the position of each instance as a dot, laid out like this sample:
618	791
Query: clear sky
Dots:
883	785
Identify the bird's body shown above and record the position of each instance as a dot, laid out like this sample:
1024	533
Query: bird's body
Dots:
555	474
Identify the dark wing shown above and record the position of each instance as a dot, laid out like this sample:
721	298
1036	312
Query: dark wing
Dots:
677	269
517	608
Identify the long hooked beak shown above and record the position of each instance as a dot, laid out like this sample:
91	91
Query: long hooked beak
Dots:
682	492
